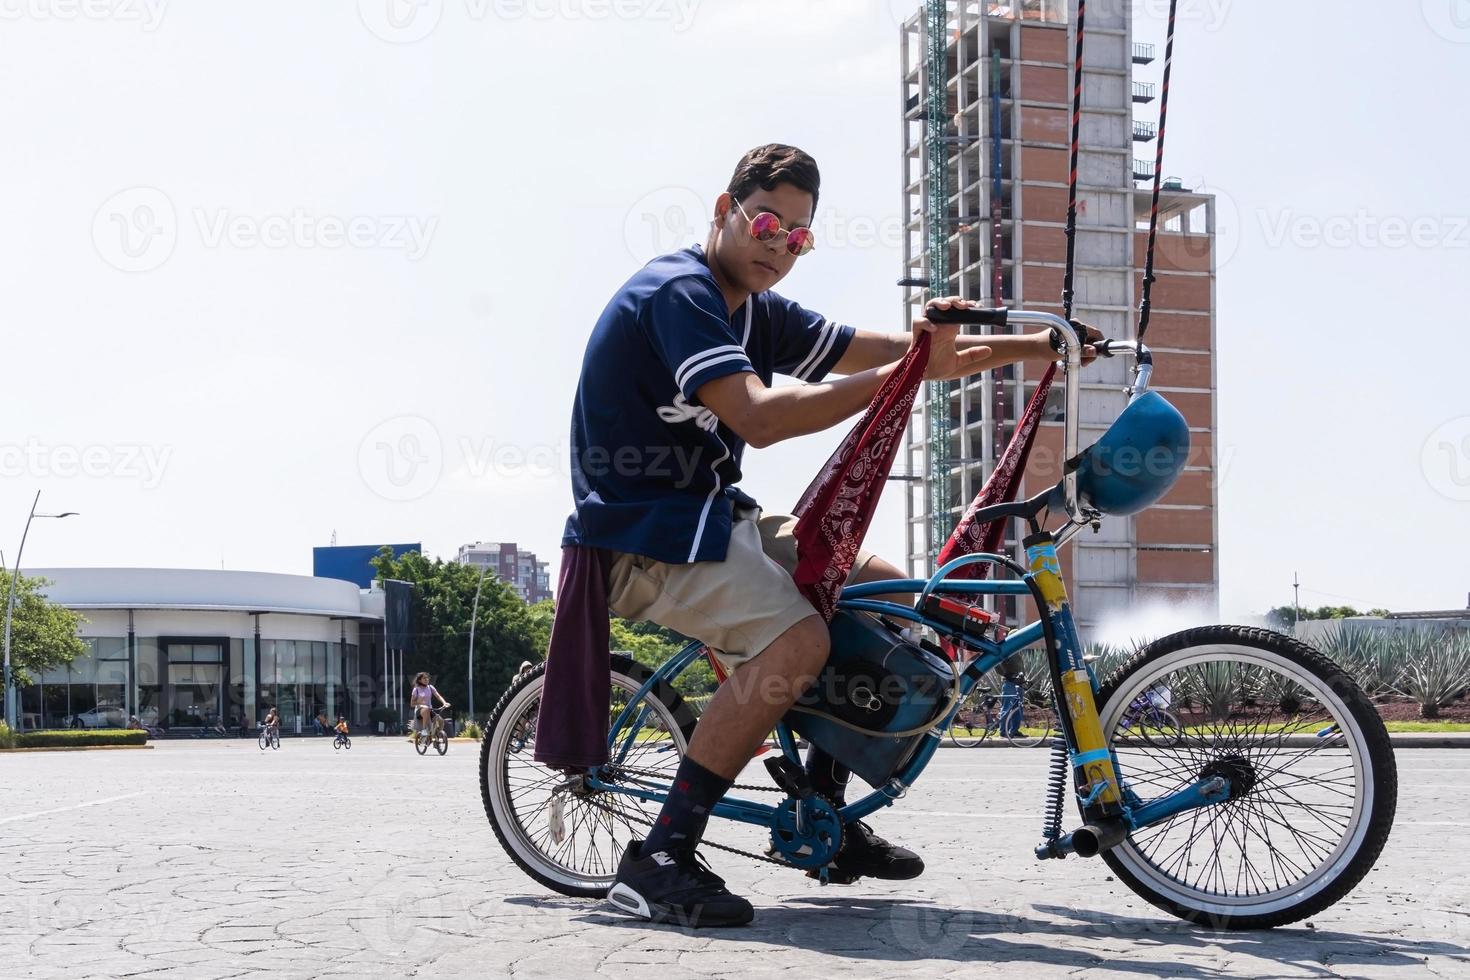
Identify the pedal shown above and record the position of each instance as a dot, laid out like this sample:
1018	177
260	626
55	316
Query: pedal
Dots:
789	777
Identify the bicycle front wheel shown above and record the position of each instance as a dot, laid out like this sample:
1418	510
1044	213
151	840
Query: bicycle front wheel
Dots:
441	742
263	740
421	741
565	836
1313	781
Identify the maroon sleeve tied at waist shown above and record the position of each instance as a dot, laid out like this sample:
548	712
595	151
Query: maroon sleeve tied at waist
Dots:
571	730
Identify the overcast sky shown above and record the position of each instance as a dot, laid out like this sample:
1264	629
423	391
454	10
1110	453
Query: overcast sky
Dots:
274	270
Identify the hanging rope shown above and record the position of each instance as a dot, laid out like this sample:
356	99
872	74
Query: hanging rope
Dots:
1072	179
1146	303
968	537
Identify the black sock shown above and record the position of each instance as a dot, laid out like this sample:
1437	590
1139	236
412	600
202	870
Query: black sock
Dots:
828	776
681	822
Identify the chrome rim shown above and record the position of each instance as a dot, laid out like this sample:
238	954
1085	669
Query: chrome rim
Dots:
1274	727
571	835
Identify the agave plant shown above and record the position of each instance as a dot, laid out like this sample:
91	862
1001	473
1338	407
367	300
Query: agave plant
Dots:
1216	688
1273	688
1436	669
1371	657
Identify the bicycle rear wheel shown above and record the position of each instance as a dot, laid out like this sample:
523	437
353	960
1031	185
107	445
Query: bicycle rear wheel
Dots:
1313	781
275	740
560	833
977	709
1033	725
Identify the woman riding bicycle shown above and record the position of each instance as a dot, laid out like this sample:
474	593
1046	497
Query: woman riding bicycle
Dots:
421	699
272	723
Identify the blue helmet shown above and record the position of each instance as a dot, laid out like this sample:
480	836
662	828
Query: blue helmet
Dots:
1136	461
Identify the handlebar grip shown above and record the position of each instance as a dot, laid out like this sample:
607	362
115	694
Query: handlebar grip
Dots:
986	317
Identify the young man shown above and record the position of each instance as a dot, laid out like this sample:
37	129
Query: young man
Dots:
675	383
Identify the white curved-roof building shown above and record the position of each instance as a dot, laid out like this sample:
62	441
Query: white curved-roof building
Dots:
192	649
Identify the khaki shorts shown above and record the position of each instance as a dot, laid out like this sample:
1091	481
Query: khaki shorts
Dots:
738	606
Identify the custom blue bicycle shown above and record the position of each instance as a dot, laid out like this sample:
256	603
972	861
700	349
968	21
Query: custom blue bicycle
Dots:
1268	802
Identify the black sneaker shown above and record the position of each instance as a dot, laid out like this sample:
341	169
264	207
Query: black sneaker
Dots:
865	854
675	887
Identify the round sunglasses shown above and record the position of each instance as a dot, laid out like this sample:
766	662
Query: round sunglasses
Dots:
765	227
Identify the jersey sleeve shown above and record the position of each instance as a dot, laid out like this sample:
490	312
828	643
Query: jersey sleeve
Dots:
807	344
689	328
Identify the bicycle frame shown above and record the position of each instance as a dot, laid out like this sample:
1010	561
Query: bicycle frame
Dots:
1106	800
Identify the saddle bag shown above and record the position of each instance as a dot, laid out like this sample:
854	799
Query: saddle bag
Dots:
876	681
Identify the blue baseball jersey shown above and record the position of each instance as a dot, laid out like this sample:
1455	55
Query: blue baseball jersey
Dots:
653	471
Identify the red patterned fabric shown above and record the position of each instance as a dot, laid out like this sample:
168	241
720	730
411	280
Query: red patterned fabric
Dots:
834	512
969	538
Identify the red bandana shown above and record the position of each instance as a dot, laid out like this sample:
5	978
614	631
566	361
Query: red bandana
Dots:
970	538
834	512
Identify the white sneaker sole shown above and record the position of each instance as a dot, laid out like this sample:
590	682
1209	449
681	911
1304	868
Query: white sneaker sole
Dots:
629	901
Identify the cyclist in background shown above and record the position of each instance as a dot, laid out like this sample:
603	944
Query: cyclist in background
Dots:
272	723
421	699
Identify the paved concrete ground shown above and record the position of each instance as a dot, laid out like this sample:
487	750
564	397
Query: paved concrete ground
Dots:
211	859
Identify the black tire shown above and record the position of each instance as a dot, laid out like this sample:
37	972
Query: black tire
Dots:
977	708
1262	754
508	725
441	741
1037	716
263	740
275	740
421	741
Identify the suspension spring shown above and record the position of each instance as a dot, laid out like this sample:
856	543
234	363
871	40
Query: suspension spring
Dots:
1056	788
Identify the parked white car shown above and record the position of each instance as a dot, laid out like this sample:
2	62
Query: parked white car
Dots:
102	716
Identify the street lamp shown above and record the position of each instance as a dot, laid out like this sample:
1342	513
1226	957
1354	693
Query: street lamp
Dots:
10	604
474	615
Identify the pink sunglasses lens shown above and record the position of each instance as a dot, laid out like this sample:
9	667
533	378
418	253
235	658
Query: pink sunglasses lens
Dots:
764	226
800	241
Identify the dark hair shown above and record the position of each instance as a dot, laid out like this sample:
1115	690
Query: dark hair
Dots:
772	164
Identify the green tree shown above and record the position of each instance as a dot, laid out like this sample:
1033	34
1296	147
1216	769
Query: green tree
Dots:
649	643
43	634
506	631
1282	617
542	615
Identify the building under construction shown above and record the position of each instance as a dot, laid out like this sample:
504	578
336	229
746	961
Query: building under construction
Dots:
1000	128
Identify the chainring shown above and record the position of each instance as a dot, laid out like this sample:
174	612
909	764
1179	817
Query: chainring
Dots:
818	840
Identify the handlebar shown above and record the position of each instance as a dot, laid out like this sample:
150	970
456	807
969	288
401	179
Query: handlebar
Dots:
1072	362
